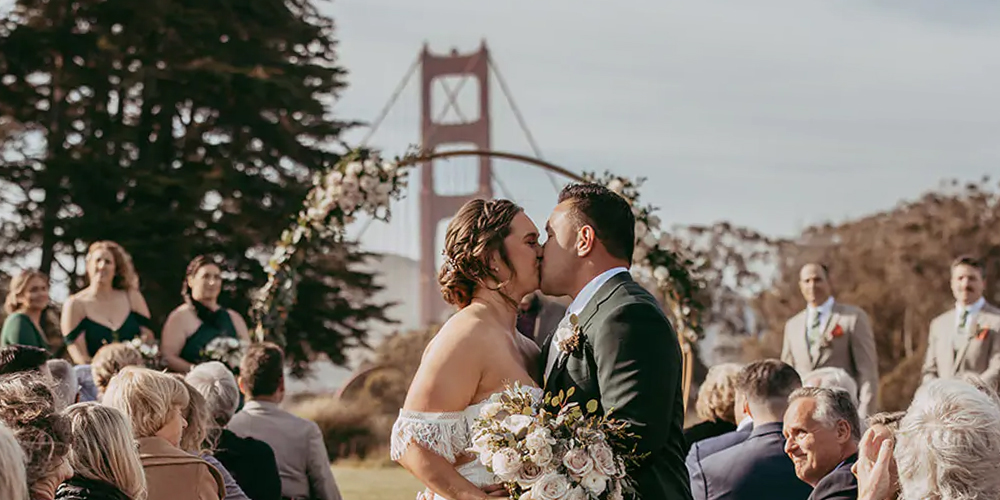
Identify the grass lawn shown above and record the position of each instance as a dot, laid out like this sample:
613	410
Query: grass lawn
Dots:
391	483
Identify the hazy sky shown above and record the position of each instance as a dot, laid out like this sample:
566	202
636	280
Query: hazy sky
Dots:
774	114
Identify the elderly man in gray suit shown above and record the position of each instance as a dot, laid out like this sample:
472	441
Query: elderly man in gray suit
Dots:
965	339
829	333
298	445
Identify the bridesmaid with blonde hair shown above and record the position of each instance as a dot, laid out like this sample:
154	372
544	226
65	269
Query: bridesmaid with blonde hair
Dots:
29	320
111	309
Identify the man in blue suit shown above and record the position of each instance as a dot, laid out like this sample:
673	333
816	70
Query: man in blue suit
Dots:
757	467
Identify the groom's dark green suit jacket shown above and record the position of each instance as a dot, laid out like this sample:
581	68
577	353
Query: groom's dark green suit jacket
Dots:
630	361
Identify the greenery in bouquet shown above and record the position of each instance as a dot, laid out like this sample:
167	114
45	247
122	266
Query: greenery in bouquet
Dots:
570	454
226	350
150	354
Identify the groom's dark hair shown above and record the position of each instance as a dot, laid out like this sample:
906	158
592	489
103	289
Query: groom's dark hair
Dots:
607	212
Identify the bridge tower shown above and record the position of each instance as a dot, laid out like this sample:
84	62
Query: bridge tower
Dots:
435	207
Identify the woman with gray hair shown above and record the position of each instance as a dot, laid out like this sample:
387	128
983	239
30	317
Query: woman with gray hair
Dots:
251	462
13	484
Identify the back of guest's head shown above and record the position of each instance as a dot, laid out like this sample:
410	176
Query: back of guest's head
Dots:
13	483
607	212
832	406
888	419
104	448
29	410
768	383
948	443
193	439
834	378
717	394
262	369
146	397
67	387
219	388
110	359
22	358
17	294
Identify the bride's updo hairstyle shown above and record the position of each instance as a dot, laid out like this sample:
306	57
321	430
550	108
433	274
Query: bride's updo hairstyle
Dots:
477	230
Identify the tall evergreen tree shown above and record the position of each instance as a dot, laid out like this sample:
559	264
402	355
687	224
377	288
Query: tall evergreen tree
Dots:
174	127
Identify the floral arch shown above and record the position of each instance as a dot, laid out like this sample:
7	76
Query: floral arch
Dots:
363	182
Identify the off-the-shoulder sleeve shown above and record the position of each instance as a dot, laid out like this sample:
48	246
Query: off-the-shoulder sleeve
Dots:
445	434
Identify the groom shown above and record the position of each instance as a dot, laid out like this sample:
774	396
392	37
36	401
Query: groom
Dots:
627	357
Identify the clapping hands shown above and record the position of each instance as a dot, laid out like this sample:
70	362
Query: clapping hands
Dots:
875	468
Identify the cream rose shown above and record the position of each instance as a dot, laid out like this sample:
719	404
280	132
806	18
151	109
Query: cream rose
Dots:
517	424
578	462
490	410
542	456
355	169
604	458
368	183
529	475
661	273
577	493
595	482
486	457
617	186
538	439
551	486
506	464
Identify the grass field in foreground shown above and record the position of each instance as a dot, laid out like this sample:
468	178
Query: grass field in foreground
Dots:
391	483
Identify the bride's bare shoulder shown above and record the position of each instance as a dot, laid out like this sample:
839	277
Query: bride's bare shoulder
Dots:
464	331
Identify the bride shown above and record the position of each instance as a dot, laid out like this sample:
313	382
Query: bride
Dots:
492	260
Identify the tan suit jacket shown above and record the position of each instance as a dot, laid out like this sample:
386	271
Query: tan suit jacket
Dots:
852	349
173	474
978	353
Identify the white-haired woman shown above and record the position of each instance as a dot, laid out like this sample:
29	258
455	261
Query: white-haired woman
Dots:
155	402
946	448
716	404
106	464
13	483
251	462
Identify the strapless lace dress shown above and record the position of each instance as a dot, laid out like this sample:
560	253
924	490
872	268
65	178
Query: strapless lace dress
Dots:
447	435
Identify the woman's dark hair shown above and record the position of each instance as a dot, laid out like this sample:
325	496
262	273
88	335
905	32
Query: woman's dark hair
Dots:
478	229
206	315
29	410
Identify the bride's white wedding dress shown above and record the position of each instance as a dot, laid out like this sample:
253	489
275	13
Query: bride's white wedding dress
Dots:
446	434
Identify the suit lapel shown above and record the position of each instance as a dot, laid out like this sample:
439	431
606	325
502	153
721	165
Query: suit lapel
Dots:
585	317
824	347
800	348
964	339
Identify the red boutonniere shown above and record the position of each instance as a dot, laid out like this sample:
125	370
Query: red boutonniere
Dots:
983	333
837	331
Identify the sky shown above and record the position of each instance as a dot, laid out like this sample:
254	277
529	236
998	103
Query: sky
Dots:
773	114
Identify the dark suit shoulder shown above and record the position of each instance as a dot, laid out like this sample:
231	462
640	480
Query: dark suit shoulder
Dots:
707	429
837	485
706	447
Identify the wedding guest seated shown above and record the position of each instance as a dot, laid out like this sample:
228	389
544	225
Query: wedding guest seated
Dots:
105	461
154	403
715	405
298	444
948	443
29	320
66	388
110	360
833	378
193	325
23	358
758	467
13	484
707	447
822	432
194	439
29	409
111	309
251	462
881	427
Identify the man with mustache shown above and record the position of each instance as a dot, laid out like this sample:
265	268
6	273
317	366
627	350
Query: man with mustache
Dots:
965	339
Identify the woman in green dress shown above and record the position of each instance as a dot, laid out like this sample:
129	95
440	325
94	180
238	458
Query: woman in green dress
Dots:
29	317
193	325
111	309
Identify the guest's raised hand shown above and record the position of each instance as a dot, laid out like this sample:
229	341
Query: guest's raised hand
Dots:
872	469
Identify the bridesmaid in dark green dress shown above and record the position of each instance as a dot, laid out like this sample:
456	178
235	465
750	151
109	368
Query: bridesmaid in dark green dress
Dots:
111	309
193	325
27	306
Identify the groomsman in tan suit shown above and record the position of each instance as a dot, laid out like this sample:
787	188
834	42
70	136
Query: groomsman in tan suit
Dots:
965	339
827	333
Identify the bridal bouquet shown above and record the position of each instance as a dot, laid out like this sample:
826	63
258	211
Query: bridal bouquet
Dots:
572	454
226	350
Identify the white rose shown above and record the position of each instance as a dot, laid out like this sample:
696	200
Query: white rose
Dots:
640	229
349	184
551	486
370	168
517	424
577	493
355	169
529	475
486	457
661	273
649	240
334	179
595	482
617	186
578	462
542	456
604	458
526	496
490	410
389	168
506	464
538	439
368	183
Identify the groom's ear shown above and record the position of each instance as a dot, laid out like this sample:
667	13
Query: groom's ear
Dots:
586	238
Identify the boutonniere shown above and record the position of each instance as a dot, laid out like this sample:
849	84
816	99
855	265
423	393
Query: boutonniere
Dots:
984	332
572	337
837	331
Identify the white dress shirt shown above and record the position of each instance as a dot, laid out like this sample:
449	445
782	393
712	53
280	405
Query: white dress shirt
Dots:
973	309
576	307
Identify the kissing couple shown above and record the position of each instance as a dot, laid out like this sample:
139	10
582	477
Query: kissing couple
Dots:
627	357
